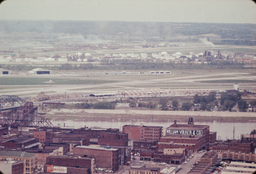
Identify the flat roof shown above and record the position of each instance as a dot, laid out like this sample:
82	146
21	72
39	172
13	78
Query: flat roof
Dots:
228	168
16	154
188	126
70	157
242	164
96	148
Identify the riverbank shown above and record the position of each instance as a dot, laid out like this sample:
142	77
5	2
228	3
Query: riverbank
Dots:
148	115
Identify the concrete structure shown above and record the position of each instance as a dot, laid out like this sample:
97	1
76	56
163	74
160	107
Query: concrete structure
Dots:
29	160
108	158
69	165
11	167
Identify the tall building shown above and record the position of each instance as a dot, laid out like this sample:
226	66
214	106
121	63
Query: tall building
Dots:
190	136
135	132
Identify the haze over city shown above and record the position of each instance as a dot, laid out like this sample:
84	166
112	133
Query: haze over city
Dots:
128	87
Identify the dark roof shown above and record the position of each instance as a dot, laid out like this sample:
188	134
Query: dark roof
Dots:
16	154
20	139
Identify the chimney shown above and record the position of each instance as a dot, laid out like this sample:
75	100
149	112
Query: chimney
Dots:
175	123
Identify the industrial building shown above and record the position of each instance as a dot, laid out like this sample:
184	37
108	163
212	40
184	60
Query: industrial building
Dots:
69	165
108	158
193	137
135	132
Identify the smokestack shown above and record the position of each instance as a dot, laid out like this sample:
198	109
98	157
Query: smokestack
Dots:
175	123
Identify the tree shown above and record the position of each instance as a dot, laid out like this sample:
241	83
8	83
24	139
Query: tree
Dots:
132	104
197	99
203	106
163	102
175	104
253	131
104	105
211	97
242	105
186	106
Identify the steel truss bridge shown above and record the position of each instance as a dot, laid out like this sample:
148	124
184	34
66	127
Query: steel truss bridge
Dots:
23	115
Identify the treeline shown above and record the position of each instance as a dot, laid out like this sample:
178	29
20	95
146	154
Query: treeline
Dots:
99	105
227	102
132	65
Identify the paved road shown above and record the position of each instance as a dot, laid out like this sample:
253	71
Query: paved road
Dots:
187	167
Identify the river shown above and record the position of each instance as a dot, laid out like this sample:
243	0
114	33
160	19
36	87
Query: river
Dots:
224	129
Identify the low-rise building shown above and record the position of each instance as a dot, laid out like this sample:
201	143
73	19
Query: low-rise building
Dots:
29	160
69	165
108	158
143	170
11	167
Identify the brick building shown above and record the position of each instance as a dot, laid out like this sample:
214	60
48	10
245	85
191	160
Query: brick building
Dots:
29	160
62	148
113	139
177	158
93	132
20	143
135	132
144	144
11	167
169	156
233	146
108	158
195	137
238	156
69	164
43	136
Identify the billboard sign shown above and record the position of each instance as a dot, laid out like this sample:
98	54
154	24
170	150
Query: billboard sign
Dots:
184	132
56	169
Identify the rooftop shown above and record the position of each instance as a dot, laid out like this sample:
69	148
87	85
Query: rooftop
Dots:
16	154
96	148
188	126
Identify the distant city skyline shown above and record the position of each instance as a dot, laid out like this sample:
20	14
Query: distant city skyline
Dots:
201	11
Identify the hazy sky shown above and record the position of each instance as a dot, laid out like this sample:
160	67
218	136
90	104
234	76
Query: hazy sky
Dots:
209	11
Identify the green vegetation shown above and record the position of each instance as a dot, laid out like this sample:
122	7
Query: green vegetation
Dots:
186	106
104	105
44	81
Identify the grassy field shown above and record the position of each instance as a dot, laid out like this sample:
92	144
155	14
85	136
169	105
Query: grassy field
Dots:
45	81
